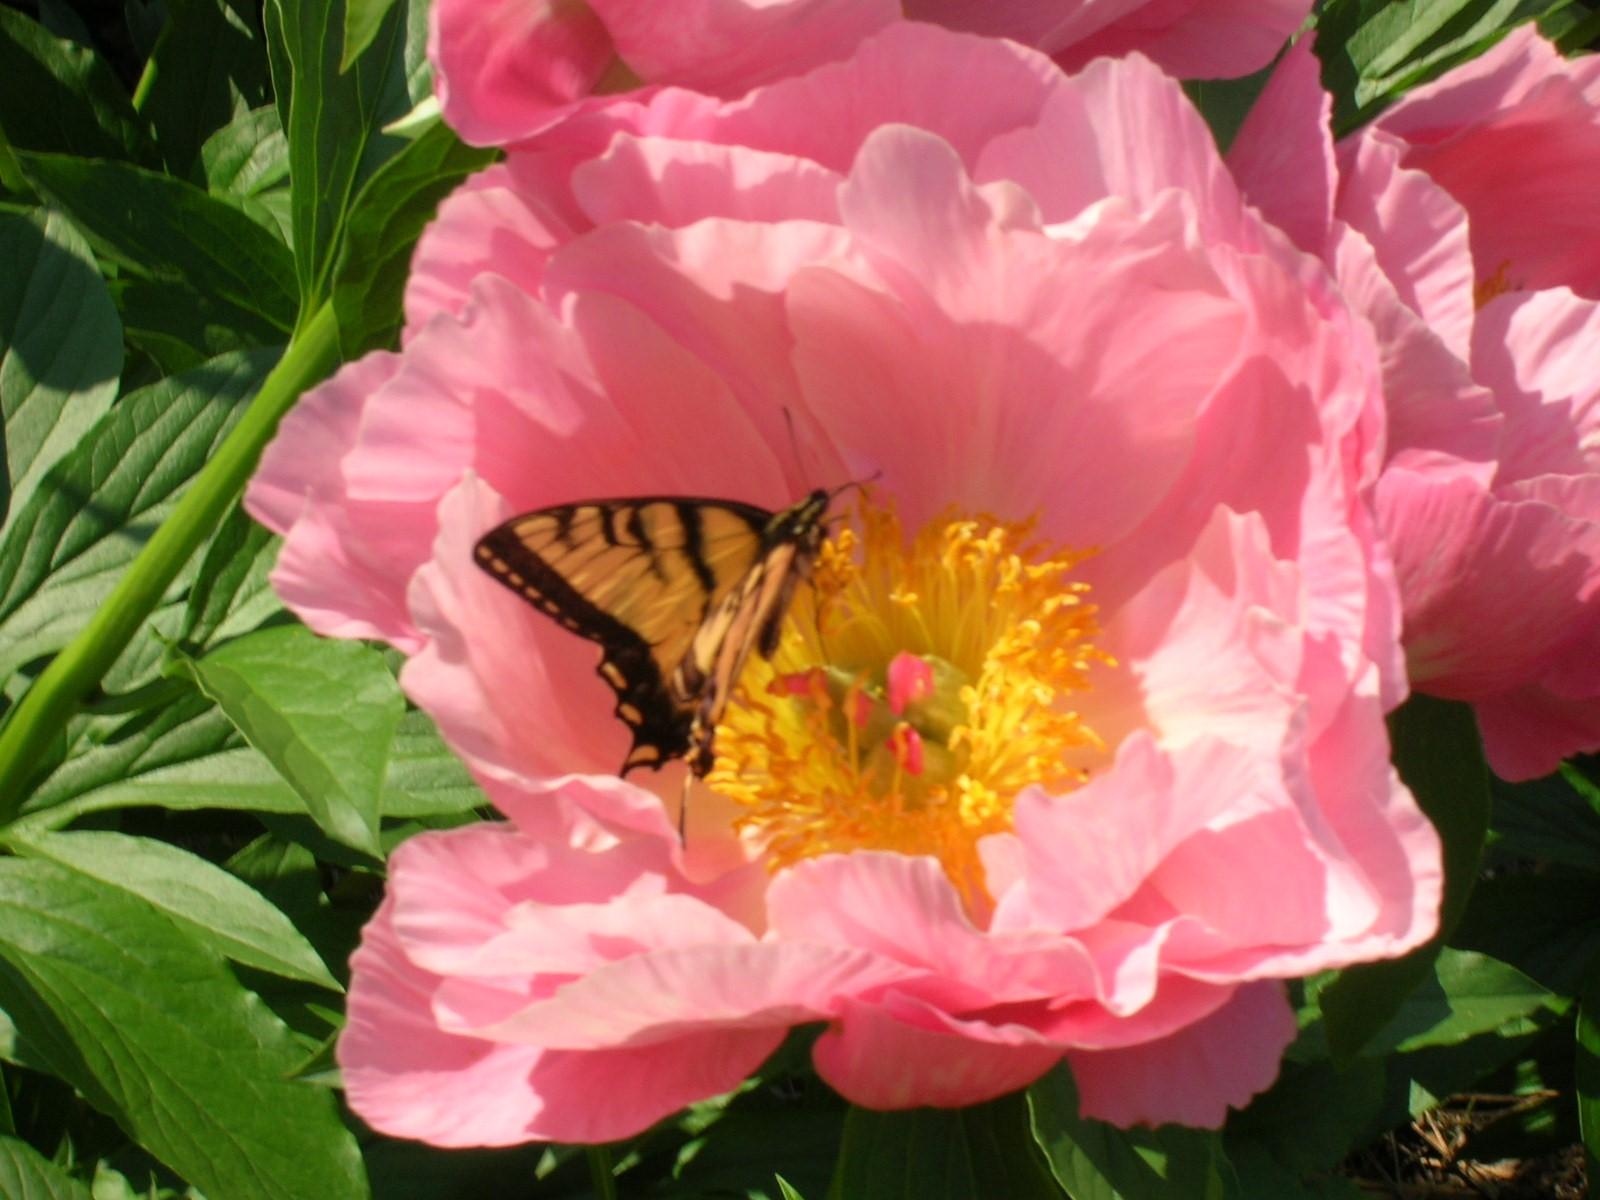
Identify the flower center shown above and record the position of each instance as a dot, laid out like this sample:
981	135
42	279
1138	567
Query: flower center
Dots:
918	688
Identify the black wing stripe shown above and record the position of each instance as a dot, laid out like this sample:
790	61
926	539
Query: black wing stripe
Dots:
694	551
642	687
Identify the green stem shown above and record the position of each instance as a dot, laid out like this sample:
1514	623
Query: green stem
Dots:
600	1173
80	666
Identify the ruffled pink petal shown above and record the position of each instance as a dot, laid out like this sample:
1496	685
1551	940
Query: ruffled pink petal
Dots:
489	224
675	183
1458	550
1196	1075
904	1054
337	565
1440	421
1536	350
1417	230
1213	642
725	46
1520	103
905	910
504	69
900	75
1282	156
976	336
1193	39
1527	732
668	994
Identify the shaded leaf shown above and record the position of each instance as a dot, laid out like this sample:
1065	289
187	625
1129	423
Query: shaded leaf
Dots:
247	155
1587	1066
323	712
200	898
1546	925
60	346
65	548
1311	1117
387	219
1096	1161
180	329
56	95
156	1032
208	66
1469	994
929	1153
164	229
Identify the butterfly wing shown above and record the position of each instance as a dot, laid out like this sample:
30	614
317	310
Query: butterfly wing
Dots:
641	577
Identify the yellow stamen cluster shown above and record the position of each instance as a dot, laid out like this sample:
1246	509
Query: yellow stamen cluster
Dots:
822	756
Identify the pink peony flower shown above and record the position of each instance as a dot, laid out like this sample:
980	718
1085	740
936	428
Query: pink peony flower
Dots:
1075	751
507	69
1465	224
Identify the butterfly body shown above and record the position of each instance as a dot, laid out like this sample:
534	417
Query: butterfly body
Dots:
675	590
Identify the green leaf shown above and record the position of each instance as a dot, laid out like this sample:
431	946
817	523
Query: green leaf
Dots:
113	751
209	65
1587	1067
66	547
1096	1161
1374	52
362	20
388	217
231	595
180	329
1312	1116
1551	820
1224	103
785	1191
204	900
187	756
55	95
324	712
247	155
60	346
333	119
1438	755
161	228
930	1153
152	1029
25	1174
1546	925
425	778
1469	994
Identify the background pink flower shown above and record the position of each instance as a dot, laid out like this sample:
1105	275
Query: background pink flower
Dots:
1122	436
1465	223
507	69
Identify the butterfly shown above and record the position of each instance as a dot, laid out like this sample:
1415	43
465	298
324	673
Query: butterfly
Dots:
676	590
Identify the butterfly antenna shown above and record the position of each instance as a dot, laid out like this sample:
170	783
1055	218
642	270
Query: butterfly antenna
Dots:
858	484
683	810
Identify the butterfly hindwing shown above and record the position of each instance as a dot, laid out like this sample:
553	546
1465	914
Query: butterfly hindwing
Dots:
674	590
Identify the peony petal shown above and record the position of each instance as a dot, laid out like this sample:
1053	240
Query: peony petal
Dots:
504	69
1196	1075
1282	155
905	1056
